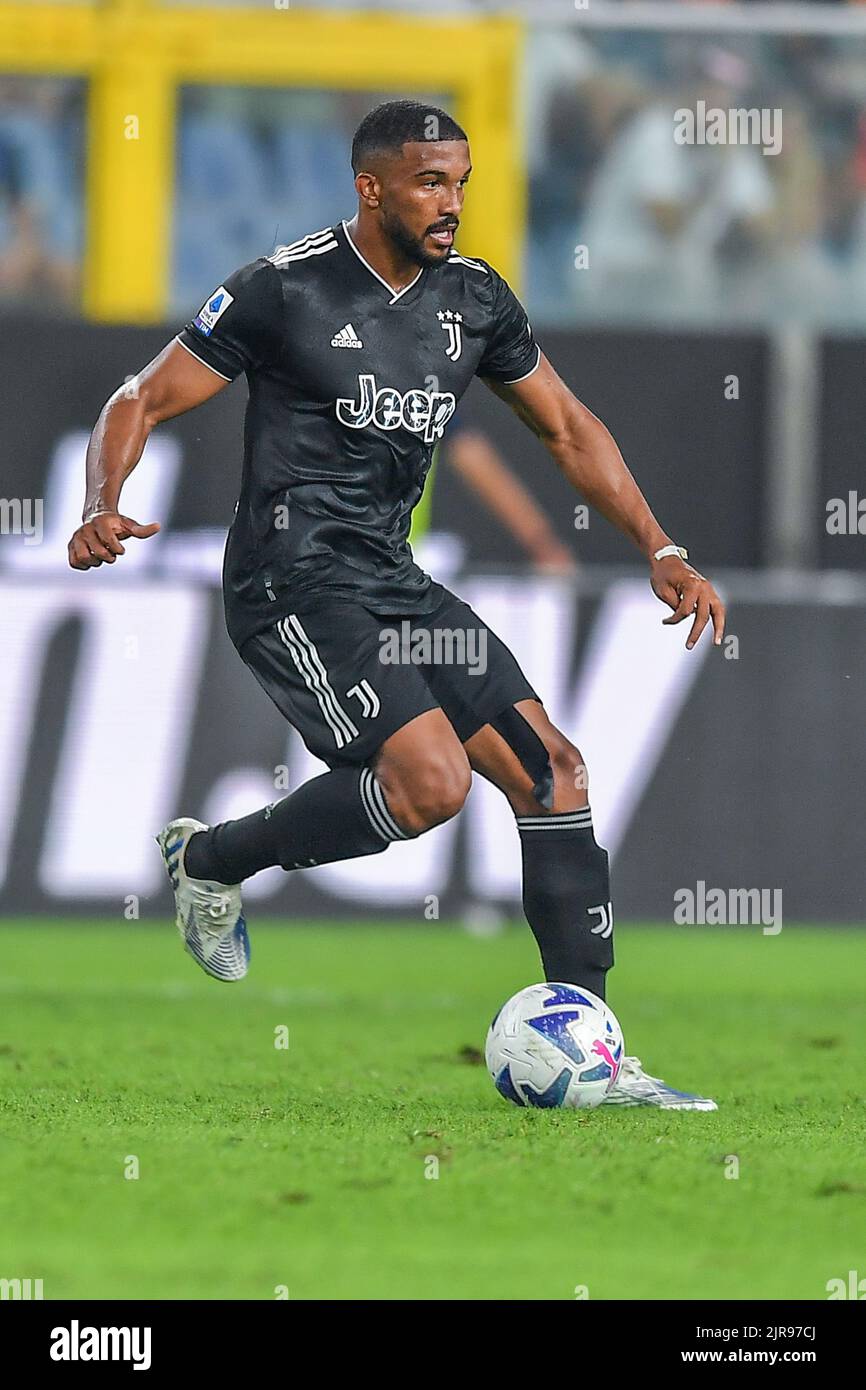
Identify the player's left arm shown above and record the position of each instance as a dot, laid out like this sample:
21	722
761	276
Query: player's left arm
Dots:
587	454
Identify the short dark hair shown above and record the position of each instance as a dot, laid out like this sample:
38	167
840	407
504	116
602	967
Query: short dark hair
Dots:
387	128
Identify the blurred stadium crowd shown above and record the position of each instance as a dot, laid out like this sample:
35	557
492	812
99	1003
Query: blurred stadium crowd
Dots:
41	183
674	233
701	232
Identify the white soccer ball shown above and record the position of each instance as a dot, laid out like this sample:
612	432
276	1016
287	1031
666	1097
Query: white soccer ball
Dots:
554	1046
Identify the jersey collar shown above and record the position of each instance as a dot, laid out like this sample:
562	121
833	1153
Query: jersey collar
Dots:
394	295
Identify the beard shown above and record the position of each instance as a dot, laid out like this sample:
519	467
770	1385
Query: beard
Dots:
412	246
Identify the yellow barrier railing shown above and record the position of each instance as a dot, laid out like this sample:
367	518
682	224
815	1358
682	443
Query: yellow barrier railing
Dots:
135	54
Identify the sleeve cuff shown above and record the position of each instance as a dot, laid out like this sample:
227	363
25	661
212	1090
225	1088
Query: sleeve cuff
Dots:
512	381
186	339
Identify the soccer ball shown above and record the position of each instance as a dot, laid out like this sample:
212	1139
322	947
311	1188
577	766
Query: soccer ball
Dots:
554	1046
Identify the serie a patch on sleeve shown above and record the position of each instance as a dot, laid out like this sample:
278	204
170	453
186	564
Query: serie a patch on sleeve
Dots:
207	316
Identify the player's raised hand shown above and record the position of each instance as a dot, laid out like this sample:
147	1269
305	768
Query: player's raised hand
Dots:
689	594
100	539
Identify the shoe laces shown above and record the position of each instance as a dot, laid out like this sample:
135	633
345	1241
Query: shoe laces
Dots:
219	905
631	1066
212	906
631	1069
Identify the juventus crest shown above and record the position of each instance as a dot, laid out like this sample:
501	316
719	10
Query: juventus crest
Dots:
451	324
370	702
604	925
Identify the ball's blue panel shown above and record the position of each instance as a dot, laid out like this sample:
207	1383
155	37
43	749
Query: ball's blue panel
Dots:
555	1027
505	1086
553	1096
568	994
599	1073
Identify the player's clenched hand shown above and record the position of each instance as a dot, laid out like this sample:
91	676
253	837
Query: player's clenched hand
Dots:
689	594
100	539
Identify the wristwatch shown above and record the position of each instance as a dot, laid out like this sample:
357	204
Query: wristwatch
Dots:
671	550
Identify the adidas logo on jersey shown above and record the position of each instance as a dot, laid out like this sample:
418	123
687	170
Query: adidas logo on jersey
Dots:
347	337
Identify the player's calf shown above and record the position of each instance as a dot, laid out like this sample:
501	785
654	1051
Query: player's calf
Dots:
420	779
566	875
424	772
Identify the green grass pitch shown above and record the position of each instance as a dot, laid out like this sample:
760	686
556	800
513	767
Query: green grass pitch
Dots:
307	1168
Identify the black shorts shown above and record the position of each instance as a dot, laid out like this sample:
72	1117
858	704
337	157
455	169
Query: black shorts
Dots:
347	678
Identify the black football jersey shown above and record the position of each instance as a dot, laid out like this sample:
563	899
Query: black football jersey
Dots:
350	387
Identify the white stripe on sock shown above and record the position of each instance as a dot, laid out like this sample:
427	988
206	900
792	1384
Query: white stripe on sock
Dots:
379	797
377	812
566	820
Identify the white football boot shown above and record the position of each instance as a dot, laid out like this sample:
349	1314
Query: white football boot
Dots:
634	1087
210	916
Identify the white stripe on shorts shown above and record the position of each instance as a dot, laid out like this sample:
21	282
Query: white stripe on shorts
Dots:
312	670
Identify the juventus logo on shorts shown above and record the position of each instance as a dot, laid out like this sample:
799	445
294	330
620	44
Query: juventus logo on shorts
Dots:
370	702
451	324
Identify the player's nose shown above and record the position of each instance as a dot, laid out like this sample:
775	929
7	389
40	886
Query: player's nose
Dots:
451	202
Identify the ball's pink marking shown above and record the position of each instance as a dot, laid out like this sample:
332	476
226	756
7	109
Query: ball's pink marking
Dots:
601	1049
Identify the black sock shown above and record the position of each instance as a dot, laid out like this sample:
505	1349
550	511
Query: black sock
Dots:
566	897
340	815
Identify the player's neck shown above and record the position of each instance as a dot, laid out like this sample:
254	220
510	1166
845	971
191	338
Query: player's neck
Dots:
387	261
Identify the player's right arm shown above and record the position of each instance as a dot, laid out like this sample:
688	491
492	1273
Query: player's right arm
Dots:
239	328
171	384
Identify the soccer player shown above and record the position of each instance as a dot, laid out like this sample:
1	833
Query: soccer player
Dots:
357	343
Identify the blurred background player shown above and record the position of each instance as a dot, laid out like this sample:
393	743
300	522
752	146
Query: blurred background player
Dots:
469	452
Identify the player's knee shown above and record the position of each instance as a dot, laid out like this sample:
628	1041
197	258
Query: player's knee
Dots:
438	789
569	769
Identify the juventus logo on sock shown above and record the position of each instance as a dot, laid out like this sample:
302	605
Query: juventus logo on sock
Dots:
604	926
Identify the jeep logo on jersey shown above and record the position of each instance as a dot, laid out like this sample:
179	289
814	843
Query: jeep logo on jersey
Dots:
423	412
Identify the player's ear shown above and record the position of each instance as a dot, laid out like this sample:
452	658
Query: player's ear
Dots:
369	189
